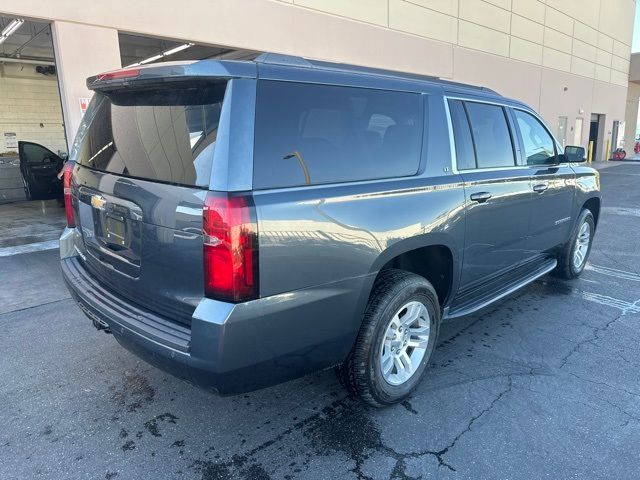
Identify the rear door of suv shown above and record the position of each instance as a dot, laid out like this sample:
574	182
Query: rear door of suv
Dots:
497	190
144	164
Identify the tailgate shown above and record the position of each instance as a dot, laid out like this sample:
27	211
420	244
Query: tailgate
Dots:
144	166
142	240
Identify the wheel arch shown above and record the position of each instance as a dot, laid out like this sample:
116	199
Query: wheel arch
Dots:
441	268
593	204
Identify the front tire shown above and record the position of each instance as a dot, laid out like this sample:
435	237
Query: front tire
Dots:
574	255
396	340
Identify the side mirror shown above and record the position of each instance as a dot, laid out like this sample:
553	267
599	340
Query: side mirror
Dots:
575	154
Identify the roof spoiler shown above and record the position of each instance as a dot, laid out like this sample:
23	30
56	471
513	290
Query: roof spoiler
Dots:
172	72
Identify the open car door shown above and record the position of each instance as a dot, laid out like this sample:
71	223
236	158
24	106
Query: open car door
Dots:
39	167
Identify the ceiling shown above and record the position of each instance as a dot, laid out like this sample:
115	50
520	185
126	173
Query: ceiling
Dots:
134	48
32	41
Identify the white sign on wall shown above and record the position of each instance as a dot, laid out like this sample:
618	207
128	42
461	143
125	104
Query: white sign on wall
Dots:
84	103
10	140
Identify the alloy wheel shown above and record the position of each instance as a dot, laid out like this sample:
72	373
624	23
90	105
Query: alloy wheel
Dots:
405	343
582	246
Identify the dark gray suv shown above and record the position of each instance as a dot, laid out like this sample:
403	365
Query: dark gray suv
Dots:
244	223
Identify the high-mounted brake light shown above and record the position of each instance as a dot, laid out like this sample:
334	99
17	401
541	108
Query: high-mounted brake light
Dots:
128	73
230	247
67	170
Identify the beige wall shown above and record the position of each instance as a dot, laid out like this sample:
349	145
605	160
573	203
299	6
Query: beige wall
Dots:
631	117
528	49
30	107
81	51
634	69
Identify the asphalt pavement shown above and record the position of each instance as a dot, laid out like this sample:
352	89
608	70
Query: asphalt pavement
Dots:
544	384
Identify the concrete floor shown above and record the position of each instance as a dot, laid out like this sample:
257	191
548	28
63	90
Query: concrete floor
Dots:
544	384
23	223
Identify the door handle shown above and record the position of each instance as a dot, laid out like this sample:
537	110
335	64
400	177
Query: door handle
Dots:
540	187
480	197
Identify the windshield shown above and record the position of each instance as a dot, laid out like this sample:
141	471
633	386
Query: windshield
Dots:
162	134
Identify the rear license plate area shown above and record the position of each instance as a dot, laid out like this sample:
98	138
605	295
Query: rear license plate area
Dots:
116	230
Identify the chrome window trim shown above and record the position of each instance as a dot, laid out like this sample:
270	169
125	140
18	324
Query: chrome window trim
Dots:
471	99
454	159
452	143
494	169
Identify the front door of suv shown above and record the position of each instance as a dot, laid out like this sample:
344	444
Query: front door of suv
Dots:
497	191
553	184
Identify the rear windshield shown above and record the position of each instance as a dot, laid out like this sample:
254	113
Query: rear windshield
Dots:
158	134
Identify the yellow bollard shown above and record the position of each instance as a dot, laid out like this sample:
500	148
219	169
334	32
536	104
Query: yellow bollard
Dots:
590	156
608	149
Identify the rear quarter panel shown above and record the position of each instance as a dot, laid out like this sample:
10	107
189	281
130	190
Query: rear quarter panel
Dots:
316	236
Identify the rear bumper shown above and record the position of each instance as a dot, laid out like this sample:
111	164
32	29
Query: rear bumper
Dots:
231	348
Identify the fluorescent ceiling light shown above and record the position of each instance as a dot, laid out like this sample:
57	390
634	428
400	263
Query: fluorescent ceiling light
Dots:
151	59
166	53
10	28
177	49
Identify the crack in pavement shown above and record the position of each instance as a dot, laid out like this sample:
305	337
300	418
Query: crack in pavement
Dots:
595	335
444	451
17	310
322	424
613	387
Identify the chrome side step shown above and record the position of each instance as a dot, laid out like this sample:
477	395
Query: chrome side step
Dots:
463	310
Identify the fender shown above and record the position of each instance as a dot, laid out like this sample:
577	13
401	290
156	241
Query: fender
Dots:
419	241
404	246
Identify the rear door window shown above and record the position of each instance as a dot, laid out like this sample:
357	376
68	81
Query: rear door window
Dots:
491	136
465	156
309	134
160	134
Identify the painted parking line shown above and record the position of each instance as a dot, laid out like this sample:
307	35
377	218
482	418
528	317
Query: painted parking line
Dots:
613	272
625	211
626	174
28	248
622	305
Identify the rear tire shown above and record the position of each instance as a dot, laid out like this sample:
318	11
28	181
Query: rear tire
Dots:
574	255
396	340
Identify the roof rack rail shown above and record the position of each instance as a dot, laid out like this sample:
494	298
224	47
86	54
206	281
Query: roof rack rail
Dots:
280	59
296	61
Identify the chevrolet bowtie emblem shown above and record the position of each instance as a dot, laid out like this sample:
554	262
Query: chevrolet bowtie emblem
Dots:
98	201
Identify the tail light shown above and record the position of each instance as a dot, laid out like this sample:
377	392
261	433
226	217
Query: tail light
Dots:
67	170
230	247
128	73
